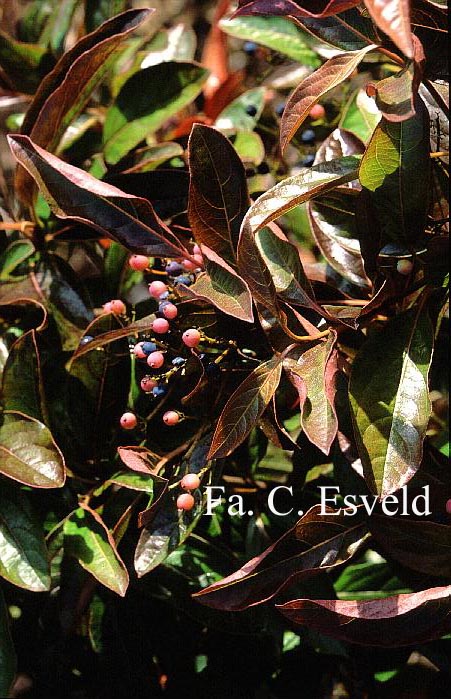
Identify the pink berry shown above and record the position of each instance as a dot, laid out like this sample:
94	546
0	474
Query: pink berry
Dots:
138	351
170	311
190	482
171	417
404	266
157	289
138	262
197	250
160	326
199	259
191	337
148	383
317	112
155	360
185	502
128	421
188	265
115	306
448	507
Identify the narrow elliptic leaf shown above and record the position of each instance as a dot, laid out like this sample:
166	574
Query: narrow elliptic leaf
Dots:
137	113
218	196
390	400
238	115
401	620
421	546
8	660
338	144
24	64
63	94
350	30
244	408
314	87
134	481
277	33
333	221
139	459
254	270
87	539
73	193
308	375
393	18
12	257
397	152
283	261
318	542
28	453
23	555
58	25
309	183
22	388
395	96
223	287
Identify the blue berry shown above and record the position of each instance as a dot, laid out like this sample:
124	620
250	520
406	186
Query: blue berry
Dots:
148	347
159	391
308	136
178	361
279	109
84	340
251	110
249	47
183	279
164	296
173	268
308	160
162	306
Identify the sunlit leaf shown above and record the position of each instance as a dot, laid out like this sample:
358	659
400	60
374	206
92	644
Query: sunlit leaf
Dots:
393	17
23	555
390	400
244	407
87	539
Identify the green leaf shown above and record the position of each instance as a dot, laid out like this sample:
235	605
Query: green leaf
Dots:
276	33
235	116
390	400
23	555
314	87
310	375
178	43
283	261
8	660
25	65
73	193
218	196
390	169
360	115
22	388
244	408
223	287
87	539
137	113
249	147
134	481
58	25
13	256
318	542
28	453
153	156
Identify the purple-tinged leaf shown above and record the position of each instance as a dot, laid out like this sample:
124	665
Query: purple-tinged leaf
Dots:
390	403
318	542
401	620
218	197
244	408
314	87
73	193
393	18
